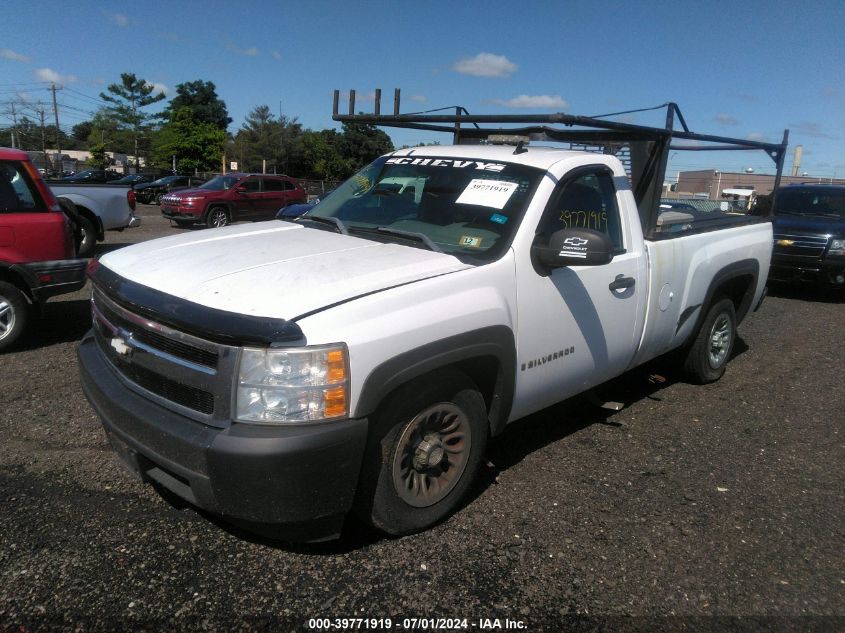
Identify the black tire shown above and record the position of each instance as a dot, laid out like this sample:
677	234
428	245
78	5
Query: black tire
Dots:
711	350
217	217
14	315
425	448
88	232
158	198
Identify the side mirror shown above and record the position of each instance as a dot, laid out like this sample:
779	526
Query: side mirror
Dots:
574	247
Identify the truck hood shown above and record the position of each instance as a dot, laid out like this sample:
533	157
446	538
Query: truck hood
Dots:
809	224
273	269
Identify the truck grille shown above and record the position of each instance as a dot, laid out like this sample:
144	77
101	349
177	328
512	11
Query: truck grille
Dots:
157	340
799	247
178	370
191	397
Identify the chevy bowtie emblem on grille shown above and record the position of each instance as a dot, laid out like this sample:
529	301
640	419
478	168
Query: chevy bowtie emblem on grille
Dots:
785	242
120	346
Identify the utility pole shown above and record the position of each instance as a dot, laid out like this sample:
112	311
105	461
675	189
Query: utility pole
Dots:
58	131
14	114
41	111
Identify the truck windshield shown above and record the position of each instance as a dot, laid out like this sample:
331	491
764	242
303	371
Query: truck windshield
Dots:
822	202
220	183
461	206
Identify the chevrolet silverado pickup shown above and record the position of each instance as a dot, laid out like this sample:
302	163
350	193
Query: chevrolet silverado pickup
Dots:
100	207
358	358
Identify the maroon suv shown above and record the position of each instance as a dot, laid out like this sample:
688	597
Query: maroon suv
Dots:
232	197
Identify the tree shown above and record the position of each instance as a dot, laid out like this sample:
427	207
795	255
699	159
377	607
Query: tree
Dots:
362	143
321	156
81	131
106	129
195	144
98	159
201	98
262	138
128	97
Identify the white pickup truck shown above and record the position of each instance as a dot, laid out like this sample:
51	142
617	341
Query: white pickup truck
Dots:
101	207
360	357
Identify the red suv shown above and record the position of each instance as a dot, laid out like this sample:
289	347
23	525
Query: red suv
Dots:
36	246
232	197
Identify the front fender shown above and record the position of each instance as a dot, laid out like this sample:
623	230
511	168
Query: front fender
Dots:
492	345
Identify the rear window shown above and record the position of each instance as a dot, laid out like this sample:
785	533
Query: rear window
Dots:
17	191
465	206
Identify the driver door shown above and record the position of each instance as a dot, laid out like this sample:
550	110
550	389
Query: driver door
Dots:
246	199
577	326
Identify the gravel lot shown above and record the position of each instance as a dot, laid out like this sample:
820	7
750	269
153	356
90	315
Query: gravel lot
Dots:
694	508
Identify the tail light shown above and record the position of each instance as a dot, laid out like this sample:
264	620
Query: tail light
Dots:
130	198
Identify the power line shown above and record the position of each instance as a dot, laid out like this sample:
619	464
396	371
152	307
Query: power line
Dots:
88	97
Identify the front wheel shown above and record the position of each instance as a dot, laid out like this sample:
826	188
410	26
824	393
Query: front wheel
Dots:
708	356
424	452
217	217
14	314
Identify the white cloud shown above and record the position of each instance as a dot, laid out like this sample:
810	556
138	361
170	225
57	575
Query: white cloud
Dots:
159	87
535	101
276	55
120	19
725	119
485	65
757	136
6	53
47	74
419	98
252	51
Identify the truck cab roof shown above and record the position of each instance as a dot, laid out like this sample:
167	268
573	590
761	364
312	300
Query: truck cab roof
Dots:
538	156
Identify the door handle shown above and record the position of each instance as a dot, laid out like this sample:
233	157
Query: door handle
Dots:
622	282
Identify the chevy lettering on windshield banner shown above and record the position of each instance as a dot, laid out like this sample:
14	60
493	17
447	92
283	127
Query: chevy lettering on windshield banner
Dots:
456	163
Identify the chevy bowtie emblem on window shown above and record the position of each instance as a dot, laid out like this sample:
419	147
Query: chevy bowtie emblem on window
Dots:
575	241
120	346
785	242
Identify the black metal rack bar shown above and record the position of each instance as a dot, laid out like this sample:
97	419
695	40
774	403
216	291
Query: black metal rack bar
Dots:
650	146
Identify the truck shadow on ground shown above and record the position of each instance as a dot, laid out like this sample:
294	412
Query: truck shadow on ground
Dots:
519	440
59	322
813	294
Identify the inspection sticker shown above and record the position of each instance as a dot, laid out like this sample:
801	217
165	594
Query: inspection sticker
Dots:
470	241
487	193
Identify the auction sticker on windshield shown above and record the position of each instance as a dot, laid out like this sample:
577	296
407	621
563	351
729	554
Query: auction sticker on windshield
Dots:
487	193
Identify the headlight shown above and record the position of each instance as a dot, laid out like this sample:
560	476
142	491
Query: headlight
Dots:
304	384
837	247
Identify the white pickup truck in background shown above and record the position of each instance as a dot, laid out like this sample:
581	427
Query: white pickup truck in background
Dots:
359	357
101	208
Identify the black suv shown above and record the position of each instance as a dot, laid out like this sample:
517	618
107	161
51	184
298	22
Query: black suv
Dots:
809	235
147	192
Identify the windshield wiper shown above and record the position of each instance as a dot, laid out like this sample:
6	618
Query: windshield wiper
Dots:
339	226
422	238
